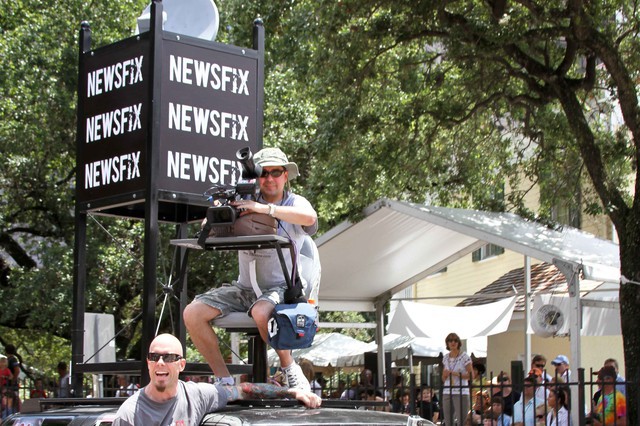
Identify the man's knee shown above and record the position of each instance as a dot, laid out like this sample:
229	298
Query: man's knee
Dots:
197	313
261	312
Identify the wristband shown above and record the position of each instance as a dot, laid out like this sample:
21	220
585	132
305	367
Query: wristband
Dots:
272	210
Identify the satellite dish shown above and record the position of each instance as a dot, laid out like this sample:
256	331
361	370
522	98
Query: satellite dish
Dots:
547	320
194	18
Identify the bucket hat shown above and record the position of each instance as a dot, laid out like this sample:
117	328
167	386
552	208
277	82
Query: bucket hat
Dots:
275	157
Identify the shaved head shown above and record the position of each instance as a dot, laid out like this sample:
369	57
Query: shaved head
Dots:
166	343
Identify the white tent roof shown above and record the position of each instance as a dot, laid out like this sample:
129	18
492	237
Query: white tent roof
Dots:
399	243
325	350
402	346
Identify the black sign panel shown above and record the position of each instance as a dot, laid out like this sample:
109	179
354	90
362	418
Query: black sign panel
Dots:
113	129
208	111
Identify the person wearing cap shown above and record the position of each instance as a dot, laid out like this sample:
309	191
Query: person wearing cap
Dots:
561	363
611	409
296	220
621	382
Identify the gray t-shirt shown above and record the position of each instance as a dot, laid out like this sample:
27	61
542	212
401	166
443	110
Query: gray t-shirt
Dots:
268	269
190	405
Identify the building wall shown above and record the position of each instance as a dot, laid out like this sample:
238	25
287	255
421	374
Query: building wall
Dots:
464	277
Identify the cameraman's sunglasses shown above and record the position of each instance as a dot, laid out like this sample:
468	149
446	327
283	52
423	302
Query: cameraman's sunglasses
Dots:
274	173
167	358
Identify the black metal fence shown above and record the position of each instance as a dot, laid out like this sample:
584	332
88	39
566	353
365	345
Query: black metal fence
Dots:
580	397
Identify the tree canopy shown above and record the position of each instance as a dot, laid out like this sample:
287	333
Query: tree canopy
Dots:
459	103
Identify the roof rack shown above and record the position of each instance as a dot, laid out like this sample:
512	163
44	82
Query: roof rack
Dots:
34	405
40	404
329	403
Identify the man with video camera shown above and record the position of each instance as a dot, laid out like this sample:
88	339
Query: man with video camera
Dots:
296	219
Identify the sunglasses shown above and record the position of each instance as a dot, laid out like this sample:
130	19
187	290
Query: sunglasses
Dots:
274	173
167	358
539	365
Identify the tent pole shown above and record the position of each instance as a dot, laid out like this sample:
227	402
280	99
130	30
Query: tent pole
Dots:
571	272
382	374
527	312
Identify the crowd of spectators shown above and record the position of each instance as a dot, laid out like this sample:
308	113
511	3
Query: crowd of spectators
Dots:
541	397
545	397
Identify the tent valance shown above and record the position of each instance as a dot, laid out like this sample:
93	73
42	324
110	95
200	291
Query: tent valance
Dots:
423	320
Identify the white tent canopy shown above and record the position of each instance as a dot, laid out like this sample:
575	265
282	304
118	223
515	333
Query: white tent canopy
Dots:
325	350
398	243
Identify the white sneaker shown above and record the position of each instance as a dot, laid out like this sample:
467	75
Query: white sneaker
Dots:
296	378
224	381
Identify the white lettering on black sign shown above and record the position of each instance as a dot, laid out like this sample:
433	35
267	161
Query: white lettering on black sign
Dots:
187	118
112	170
115	76
209	75
201	168
113	123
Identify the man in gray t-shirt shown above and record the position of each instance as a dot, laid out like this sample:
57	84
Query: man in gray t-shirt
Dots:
167	400
261	283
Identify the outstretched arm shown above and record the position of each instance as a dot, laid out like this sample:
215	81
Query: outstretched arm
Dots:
268	391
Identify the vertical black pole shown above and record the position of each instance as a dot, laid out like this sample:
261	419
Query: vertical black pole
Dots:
181	267
80	241
258	44
582	399
151	190
257	346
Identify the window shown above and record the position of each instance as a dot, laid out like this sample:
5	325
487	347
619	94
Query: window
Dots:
566	214
485	252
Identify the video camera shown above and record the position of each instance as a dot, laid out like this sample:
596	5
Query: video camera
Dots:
223	214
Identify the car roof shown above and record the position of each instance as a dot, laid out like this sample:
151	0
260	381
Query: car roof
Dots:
265	416
263	413
72	416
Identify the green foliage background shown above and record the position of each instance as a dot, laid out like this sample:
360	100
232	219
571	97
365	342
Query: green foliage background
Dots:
460	103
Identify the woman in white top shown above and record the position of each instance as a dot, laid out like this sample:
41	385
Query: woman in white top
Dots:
557	401
456	373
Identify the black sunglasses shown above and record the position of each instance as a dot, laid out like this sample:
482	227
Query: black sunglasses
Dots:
167	358
540	365
274	173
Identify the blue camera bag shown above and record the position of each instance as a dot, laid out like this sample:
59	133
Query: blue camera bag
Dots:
292	326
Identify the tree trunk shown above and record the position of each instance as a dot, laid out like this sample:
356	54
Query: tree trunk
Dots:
630	310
